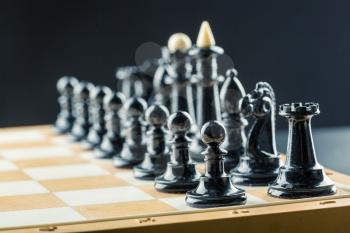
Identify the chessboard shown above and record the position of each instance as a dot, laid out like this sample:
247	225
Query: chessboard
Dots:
50	184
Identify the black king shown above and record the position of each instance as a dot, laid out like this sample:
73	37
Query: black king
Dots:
207	99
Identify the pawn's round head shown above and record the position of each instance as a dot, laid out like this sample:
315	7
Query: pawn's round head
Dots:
135	107
179	42
66	84
83	89
99	92
157	114
213	133
114	101
179	122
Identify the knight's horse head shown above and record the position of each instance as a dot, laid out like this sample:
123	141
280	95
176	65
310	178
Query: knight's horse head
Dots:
259	102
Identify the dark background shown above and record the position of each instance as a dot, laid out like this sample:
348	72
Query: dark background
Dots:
301	47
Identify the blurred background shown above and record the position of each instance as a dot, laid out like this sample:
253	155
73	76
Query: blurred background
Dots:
301	47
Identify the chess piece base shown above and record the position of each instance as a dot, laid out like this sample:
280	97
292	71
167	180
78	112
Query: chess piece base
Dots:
93	140
215	192
257	172
122	163
151	167
130	156
102	154
109	147
63	125
79	132
178	178
302	183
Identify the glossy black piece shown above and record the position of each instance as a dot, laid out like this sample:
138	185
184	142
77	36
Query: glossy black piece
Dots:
112	142
215	187
82	122
231	94
65	118
128	81
259	165
146	74
162	81
134	147
301	176
207	91
181	174
157	155
181	89
97	111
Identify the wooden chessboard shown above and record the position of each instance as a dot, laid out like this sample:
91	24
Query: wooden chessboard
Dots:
49	184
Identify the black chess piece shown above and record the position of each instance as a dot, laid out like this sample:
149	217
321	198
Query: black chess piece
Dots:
260	162
181	174
215	187
301	176
231	94
181	74
128	81
97	111
207	90
82	122
146	74
157	155
112	142
65	118
162	81
134	147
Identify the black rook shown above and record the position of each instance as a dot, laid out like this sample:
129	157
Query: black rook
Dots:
302	175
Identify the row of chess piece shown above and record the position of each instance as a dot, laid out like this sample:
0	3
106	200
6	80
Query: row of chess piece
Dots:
157	146
118	125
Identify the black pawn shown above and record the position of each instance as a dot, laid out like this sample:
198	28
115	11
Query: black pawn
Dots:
302	175
65	118
97	111
82	123
134	147
231	94
181	174
157	155
215	187
112	142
